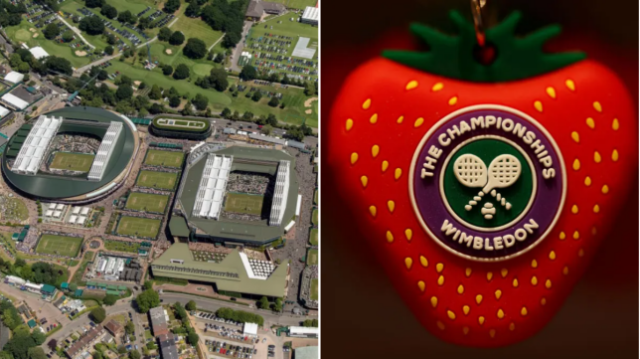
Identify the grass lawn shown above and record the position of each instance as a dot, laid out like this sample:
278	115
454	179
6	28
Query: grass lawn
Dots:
195	28
314	289
158	180
312	257
139	227
147	202
14	209
314	217
120	318
243	203
80	162
77	276
315	197
60	245
164	158
313	237
147	334
296	4
120	246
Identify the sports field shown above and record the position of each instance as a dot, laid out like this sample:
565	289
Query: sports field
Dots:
80	162
164	158
243	203
139	227
147	202
314	289
312	257
59	245
158	180
314	217
313	237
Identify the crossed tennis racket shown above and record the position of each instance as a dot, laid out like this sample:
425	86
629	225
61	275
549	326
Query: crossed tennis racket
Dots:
503	171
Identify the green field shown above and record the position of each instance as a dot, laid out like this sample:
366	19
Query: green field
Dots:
313	237
314	217
158	180
314	289
296	4
80	162
196	28
315	197
59	245
164	158
156	203
139	227
120	246
312	257
14	209
243	203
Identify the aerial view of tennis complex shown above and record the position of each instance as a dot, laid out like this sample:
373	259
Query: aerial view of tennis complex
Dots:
159	179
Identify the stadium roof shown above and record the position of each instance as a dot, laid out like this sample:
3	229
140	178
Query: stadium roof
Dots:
306	353
212	186
230	274
15	101
311	14
38	52
14	77
250	329
35	146
262	161
87	120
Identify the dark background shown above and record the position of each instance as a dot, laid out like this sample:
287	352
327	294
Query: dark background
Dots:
362	316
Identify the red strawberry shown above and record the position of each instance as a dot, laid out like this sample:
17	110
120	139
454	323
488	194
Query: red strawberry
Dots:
414	147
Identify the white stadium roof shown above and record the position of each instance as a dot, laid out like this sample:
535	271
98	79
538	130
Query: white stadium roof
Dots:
38	52
3	111
280	194
14	77
212	186
311	13
105	151
15	101
35	145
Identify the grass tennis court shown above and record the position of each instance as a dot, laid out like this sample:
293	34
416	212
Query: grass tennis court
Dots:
312	257
314	217
164	158
244	203
59	245
158	180
80	162
313	237
139	227
147	202
314	289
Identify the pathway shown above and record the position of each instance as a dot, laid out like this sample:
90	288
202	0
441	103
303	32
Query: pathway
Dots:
237	51
217	41
75	30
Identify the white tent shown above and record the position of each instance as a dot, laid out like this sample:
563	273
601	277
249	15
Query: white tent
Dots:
250	329
38	52
14	77
15	101
3	111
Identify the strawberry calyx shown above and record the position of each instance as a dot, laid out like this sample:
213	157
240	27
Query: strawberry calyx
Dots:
512	58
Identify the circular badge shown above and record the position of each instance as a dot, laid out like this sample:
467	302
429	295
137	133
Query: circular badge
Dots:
487	182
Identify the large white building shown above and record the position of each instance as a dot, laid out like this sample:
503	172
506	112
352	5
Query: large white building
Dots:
280	194
212	186
35	145
105	151
311	15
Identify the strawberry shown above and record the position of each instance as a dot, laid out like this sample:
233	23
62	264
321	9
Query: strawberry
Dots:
483	188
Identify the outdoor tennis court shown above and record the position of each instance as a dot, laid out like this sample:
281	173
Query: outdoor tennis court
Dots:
158	180
164	158
138	227
59	245
80	162
147	202
244	203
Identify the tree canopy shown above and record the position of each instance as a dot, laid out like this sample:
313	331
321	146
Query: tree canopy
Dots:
127	16
171	6
51	31
92	25
98	315
109	11
195	49
94	3
182	72
248	73
177	38
149	298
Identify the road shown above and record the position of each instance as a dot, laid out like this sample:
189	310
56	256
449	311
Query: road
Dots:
237	51
75	30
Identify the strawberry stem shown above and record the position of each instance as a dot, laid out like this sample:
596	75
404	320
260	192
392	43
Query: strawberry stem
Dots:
509	58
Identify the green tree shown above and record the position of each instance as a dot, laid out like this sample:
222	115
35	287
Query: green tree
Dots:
309	89
67	36
19	346
110	299
219	58
111	39
267	129
109	50
134	354
97	355
263	303
171	6
193	338
174	101
201	102
164	34
51	31
92	25
257	95
274	102
248	73
38	337
226	113
154	94
94	3
167	70
272	120
191	305
109	11
182	72
193	10
195	48
149	284
36	353
130	328
149	298
98	315
124	92
127	16
177	38
52	344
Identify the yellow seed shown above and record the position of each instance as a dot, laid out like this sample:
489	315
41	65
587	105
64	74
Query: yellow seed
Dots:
512	326
418	122
576	235
375	150
534	280
440	325
389	236
441	280
596	208
565	270
373	210
498	294
466	309
614	155
504	272
400	119
391	205
615	125
515	282
434	301
385	165
596	157
479	298
597	106
411	85
398	173
562	236
534	264
460	289
439	267
451	315
437	87
453	100
364	181
605	189
591	123
366	104
575	136
574	209
467	272
581	253
465	330
548	284
424	261
543	301
492	333
374	118
354	158
552	255
408	233
570	85
551	92
538	106
421	286
587	181
349	124
524	311
576	164
408	262
500	314
489	276
481	320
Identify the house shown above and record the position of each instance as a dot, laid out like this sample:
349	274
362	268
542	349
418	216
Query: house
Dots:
257	10
311	16
159	321
85	342
167	344
114	328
